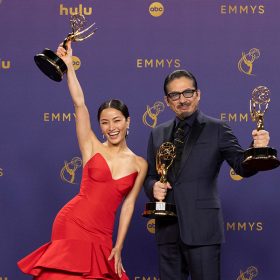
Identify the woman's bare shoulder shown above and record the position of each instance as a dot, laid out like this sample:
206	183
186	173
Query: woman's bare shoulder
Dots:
141	163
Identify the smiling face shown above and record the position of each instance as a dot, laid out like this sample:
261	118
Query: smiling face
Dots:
184	106
114	125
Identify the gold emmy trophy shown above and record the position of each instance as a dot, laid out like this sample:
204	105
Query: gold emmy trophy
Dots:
264	158
164	159
51	64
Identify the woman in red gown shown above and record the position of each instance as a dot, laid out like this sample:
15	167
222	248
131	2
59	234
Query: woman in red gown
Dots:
81	245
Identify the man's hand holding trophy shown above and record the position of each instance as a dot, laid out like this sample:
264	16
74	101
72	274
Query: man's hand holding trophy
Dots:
164	159
260	158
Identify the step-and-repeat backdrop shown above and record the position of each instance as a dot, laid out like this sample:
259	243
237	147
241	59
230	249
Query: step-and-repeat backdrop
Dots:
231	46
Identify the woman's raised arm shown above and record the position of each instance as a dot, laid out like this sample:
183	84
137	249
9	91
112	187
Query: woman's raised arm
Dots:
86	137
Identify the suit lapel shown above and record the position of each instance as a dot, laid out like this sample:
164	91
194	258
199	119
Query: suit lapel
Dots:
193	136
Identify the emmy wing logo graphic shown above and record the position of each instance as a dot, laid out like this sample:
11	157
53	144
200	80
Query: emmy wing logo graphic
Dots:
68	172
249	274
234	176
150	116
245	64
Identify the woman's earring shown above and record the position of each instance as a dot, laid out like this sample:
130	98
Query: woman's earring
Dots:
103	136
127	132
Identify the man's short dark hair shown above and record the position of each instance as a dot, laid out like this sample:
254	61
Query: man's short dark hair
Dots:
176	75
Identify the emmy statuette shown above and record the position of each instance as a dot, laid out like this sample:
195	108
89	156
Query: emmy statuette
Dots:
264	158
51	64
164	159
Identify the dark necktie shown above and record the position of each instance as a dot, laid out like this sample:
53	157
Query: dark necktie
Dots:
179	142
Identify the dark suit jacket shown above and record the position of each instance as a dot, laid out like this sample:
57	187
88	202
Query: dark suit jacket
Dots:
194	190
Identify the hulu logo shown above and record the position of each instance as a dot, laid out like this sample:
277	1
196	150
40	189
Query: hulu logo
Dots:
5	64
64	11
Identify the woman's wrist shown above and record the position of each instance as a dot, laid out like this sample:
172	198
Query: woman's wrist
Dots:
118	247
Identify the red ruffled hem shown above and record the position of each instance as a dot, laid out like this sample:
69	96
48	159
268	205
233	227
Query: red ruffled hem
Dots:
77	256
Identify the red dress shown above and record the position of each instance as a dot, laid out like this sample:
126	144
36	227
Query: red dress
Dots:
82	231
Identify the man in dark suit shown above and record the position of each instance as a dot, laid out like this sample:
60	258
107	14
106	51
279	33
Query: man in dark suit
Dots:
190	244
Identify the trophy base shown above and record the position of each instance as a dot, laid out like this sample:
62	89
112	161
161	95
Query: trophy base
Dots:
155	210
261	159
51	64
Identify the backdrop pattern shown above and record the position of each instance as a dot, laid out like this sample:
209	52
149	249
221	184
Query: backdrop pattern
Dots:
232	47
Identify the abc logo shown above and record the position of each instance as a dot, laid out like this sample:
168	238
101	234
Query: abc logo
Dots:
235	176
76	62
151	226
156	9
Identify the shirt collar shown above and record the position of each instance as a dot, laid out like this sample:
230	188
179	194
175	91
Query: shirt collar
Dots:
189	120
